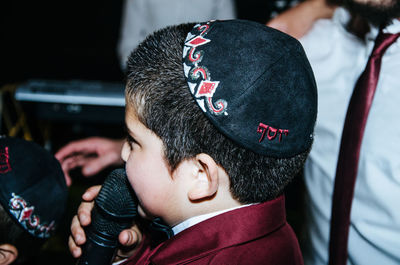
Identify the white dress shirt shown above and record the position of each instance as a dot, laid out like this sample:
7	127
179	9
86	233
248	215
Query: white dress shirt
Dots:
338	58
200	218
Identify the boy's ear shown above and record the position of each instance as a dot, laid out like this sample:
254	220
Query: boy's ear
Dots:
205	183
8	254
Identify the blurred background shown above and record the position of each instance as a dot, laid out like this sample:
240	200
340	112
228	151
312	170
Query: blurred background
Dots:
49	46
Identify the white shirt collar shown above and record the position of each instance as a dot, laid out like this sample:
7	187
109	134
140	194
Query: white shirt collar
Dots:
394	27
342	16
197	219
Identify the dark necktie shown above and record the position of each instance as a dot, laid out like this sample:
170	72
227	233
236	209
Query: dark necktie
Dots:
353	131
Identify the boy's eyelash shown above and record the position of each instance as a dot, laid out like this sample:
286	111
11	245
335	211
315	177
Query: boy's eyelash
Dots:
130	139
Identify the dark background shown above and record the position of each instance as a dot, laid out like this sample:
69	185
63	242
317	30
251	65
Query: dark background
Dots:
72	39
63	40
59	40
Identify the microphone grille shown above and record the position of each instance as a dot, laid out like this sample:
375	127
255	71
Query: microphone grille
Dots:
116	197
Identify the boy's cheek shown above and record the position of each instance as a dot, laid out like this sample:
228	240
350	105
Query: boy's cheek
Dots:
129	174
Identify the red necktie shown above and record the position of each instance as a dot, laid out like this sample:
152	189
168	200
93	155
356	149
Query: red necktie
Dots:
353	131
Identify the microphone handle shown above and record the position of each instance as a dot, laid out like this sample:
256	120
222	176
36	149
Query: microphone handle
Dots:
95	254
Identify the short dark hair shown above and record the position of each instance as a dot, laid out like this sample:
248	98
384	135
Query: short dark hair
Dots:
12	233
158	92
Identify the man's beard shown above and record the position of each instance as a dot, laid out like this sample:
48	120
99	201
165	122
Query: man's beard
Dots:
378	14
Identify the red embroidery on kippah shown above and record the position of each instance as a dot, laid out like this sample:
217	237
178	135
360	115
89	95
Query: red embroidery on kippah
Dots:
207	88
262	128
24	213
204	28
219	105
285	132
195	56
4	161
196	72
197	41
271	132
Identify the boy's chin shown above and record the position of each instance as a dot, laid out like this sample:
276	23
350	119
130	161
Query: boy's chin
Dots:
144	214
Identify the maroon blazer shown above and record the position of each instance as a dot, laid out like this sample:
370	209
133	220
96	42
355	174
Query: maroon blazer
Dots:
257	234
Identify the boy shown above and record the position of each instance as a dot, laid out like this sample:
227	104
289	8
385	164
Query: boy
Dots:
33	197
213	139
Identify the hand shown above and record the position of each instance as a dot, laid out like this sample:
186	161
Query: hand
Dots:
92	154
128	238
298	20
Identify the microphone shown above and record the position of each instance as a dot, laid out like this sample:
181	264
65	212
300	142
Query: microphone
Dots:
114	210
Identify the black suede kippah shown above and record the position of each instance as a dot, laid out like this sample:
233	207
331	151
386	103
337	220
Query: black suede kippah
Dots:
33	189
254	83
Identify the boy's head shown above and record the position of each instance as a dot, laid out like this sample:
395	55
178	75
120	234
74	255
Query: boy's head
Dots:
238	91
33	197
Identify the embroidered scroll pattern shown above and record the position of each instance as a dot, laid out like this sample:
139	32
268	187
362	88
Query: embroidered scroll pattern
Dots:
198	76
